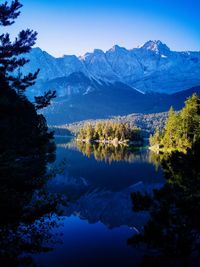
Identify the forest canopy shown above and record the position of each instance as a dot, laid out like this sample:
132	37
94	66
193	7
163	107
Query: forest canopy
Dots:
182	129
109	131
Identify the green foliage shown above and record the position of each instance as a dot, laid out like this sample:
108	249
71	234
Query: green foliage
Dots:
181	130
109	131
155	139
148	123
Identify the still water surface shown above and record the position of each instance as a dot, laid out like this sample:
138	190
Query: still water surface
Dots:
98	219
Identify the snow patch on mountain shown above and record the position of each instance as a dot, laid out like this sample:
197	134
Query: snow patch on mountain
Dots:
151	67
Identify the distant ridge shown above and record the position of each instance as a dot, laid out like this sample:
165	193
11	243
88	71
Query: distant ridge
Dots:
119	81
151	67
103	104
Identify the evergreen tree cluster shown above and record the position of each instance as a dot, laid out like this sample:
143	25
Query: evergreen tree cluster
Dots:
182	129
109	131
148	123
22	130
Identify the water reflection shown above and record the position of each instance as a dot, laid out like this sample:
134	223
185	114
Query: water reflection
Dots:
99	179
99	208
108	152
172	235
28	211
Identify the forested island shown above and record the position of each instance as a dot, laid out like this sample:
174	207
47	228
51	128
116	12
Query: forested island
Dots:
110	132
146	122
182	129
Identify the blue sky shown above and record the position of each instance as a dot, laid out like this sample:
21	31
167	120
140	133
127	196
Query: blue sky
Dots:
79	26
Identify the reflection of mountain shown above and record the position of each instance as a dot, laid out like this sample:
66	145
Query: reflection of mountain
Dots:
100	191
92	204
111	208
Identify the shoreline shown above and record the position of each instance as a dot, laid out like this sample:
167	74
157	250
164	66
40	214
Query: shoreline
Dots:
156	149
113	142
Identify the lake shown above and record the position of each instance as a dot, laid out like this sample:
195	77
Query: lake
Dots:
98	219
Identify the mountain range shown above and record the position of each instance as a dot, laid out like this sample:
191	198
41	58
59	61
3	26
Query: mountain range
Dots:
116	82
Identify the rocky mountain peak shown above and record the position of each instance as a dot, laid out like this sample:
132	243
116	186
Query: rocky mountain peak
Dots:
152	67
117	48
156	46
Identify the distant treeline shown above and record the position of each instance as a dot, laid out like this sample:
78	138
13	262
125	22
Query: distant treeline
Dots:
109	131
148	123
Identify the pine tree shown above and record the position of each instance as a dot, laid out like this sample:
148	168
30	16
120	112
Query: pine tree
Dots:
182	129
190	116
156	138
109	131
11	59
170	129
22	130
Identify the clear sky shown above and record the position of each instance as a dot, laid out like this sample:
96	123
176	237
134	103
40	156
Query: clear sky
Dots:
79	26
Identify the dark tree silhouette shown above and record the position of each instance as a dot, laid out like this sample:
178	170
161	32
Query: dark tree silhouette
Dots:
9	13
172	234
12	53
26	146
44	101
21	129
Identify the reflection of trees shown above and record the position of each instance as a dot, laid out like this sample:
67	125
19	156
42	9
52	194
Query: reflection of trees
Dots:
173	231
28	212
154	159
110	153
26	147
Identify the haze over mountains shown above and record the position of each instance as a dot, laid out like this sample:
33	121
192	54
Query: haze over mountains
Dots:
115	82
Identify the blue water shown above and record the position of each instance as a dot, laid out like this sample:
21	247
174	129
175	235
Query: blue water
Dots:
98	219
